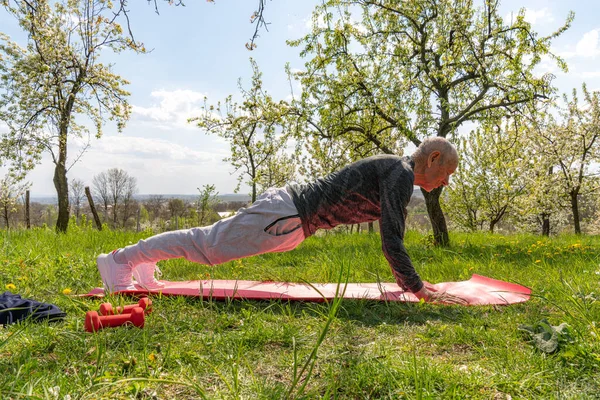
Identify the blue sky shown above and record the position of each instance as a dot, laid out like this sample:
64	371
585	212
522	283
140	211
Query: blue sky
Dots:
198	51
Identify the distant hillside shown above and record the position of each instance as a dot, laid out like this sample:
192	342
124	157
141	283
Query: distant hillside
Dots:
144	197
193	197
186	197
417	193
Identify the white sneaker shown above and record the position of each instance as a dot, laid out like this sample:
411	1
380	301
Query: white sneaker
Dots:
116	277
144	275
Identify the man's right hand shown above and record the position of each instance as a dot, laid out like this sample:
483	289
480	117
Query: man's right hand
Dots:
432	296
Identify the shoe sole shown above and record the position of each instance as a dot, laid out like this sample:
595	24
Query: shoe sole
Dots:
150	285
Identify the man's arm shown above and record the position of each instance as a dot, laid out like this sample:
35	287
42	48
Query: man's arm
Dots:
395	193
395	190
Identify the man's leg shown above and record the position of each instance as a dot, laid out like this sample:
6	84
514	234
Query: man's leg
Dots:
271	224
241	235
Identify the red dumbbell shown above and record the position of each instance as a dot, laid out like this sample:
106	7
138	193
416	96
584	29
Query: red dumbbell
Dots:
107	308
94	322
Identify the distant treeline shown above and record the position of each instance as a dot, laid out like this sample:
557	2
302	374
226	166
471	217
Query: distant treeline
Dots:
162	213
157	212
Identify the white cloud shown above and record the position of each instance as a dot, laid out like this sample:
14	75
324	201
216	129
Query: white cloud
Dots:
164	150
160	166
167	162
535	16
72	19
154	174
161	169
532	16
592	74
548	65
588	45
173	109
309	22
299	26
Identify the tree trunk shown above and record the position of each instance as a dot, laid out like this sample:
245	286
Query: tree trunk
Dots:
6	216
115	214
60	172
546	216
371	229
252	168
62	190
545	224
497	219
575	207
88	194
472	219
27	218
436	216
137	225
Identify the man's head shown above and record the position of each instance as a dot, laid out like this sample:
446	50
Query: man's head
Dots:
435	160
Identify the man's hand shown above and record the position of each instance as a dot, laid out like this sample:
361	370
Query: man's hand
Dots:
433	296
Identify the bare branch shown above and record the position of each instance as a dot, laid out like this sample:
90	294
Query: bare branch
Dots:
258	19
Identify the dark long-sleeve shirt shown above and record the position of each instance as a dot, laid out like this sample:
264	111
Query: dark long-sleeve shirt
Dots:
375	188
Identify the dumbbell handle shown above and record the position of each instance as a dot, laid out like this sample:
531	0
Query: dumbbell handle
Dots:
94	322
107	309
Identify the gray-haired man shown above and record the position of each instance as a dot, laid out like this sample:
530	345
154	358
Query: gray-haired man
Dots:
377	188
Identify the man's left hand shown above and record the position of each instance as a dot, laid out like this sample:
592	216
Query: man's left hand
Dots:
430	295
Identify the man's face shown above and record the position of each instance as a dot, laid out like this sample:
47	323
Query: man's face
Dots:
438	173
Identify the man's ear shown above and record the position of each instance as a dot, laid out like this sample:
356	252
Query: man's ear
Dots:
433	156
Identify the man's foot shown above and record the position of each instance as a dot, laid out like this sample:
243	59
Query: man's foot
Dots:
144	275
116	277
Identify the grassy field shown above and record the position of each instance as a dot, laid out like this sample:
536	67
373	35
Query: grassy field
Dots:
194	349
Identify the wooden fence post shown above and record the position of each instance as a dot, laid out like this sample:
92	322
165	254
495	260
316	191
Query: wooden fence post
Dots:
138	219
27	219
93	208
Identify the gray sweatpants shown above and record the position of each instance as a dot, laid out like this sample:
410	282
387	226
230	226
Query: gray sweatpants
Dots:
270	224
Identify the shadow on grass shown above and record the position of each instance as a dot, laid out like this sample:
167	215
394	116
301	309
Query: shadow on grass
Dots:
360	312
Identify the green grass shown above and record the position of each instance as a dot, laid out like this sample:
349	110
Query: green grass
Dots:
193	349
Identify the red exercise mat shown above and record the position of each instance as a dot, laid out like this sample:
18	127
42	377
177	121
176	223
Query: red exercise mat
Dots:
478	290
